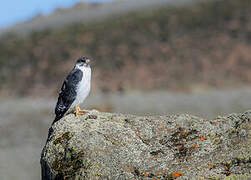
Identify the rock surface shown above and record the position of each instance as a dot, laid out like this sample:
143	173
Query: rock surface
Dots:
101	145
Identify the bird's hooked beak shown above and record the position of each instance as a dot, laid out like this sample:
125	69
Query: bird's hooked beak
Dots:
88	61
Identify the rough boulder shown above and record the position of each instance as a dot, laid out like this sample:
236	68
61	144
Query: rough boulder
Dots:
101	145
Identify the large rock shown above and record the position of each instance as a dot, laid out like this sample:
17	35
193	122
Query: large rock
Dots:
101	145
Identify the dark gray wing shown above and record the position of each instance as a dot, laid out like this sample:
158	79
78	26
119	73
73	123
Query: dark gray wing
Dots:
68	93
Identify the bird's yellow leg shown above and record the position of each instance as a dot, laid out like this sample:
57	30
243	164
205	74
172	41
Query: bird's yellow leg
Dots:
78	111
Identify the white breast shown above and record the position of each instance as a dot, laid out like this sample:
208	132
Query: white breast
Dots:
84	86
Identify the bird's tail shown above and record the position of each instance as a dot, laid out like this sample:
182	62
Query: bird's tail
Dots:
57	118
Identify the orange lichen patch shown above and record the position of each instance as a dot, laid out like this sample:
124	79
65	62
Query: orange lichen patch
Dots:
214	123
160	127
184	133
176	174
158	137
164	171
179	146
59	165
202	138
137	133
195	145
158	173
127	168
195	138
148	174
155	178
65	136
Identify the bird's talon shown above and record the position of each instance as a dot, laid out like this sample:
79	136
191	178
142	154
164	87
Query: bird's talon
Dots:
78	111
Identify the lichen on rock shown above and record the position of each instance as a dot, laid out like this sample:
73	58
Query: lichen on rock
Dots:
100	145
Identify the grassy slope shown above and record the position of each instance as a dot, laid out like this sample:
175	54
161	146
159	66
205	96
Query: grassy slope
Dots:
206	44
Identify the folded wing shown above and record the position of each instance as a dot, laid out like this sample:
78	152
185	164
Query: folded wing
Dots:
68	93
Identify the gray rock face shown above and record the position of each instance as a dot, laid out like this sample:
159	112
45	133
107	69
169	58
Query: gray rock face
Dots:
101	145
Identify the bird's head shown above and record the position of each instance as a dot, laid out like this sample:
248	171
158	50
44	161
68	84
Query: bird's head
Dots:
83	62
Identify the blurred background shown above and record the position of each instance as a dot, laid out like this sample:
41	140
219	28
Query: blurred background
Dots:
150	57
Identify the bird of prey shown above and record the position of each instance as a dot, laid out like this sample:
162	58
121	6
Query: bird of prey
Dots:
75	89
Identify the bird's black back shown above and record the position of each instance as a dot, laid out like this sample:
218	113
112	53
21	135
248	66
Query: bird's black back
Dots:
68	93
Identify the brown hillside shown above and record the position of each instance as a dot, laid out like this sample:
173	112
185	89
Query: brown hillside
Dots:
207	44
